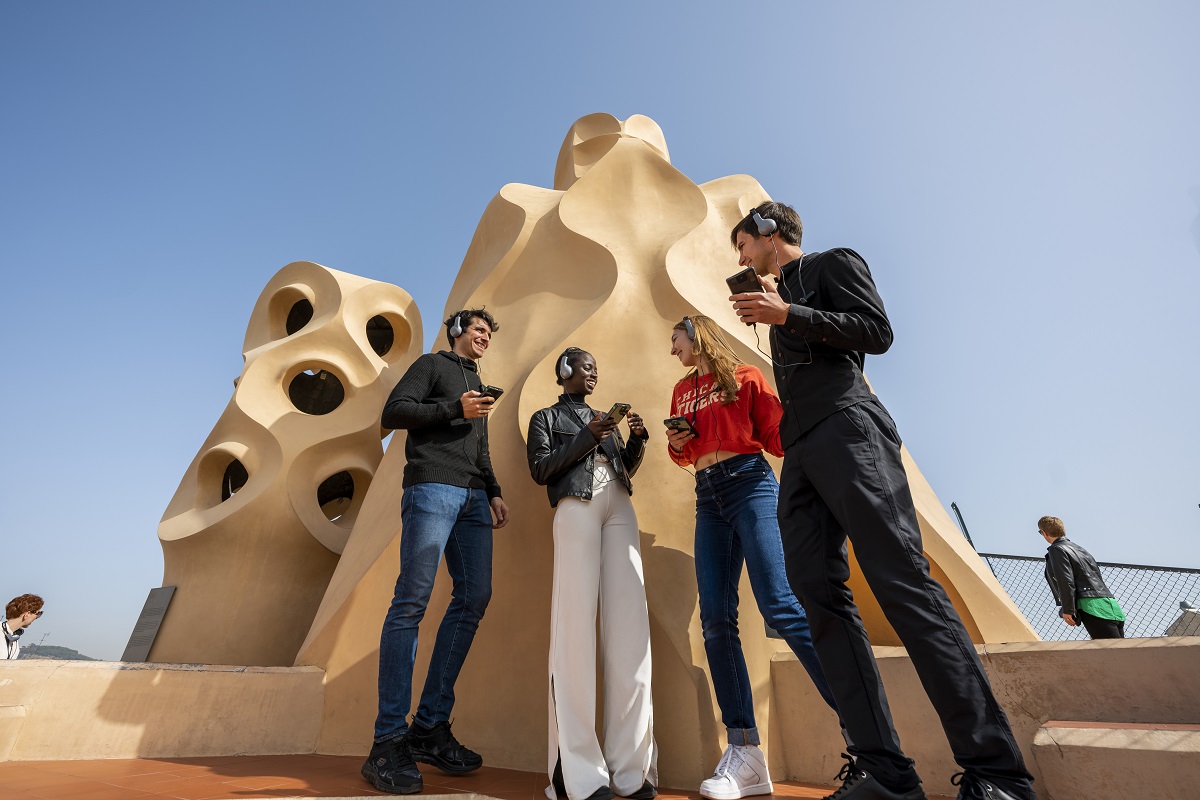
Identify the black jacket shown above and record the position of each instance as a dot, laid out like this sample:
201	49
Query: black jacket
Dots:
562	451
1072	573
819	351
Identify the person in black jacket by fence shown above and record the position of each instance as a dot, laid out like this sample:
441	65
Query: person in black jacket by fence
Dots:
586	467
1078	588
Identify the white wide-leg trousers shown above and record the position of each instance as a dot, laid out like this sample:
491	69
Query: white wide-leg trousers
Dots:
598	568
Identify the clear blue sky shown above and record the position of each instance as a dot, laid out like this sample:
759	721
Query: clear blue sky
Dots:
1024	182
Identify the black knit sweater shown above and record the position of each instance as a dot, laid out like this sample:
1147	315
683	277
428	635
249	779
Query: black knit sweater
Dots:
442	446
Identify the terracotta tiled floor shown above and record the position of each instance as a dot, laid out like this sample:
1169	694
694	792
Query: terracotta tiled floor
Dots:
264	776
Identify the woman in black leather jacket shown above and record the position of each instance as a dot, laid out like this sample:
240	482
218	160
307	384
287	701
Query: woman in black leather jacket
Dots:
587	468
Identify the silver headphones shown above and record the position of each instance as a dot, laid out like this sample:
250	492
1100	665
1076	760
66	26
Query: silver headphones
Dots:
766	225
689	328
456	330
565	370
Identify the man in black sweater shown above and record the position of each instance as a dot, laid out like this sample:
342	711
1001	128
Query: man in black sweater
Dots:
450	505
842	476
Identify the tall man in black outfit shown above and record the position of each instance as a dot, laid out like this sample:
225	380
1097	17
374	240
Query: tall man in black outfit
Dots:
842	476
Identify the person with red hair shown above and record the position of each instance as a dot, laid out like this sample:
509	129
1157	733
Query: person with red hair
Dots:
19	614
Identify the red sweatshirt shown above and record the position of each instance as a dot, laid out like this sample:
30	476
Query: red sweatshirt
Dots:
748	425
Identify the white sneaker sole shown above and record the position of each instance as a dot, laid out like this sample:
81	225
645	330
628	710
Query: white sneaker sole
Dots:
745	791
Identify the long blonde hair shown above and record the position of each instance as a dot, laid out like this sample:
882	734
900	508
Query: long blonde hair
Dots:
711	349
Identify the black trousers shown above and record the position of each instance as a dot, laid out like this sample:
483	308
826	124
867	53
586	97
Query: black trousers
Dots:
845	478
1100	628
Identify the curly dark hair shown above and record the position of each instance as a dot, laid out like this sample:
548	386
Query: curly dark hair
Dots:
25	604
470	314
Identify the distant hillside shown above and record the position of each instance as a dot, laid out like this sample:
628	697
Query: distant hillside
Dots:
53	652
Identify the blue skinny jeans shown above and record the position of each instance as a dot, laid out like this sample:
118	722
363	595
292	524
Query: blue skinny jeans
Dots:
736	524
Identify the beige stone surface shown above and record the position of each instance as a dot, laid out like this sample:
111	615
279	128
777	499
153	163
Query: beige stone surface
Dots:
619	250
94	709
272	546
1142	681
1104	762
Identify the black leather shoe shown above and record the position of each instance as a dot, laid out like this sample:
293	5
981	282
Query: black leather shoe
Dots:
603	793
647	792
859	784
390	768
973	787
437	746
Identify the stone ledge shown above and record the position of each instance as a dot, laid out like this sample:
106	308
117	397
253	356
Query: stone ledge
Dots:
1113	761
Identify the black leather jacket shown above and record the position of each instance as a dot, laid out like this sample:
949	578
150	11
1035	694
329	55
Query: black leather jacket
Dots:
1072	573
562	451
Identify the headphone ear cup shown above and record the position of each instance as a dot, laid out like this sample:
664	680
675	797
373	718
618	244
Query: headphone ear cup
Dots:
456	329
765	226
689	328
564	369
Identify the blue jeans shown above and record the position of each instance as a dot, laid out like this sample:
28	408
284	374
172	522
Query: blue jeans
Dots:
435	518
736	523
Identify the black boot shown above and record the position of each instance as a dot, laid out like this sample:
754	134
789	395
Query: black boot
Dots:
390	768
437	746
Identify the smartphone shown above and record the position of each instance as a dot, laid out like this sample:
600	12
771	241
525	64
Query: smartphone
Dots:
617	412
744	281
493	392
679	424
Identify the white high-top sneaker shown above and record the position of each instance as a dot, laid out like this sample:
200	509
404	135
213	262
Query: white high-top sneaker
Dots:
742	772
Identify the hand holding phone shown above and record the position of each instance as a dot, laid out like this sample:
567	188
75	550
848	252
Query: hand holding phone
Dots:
744	281
476	404
679	432
601	426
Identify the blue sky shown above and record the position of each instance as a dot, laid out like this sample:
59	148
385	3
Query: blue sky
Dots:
1024	183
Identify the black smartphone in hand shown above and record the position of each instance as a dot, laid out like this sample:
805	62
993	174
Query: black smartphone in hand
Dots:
493	392
744	281
617	412
679	424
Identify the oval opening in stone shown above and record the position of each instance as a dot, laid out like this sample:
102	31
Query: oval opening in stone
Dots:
316	392
300	315
380	335
233	480
335	494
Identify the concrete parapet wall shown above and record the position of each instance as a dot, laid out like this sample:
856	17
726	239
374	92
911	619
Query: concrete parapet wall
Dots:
1146	681
96	709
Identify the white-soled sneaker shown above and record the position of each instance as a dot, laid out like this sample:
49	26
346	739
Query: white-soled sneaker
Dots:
742	772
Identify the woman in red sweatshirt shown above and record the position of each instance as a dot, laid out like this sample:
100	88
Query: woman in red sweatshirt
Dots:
733	416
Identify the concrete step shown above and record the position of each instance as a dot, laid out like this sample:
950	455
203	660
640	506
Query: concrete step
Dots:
1117	760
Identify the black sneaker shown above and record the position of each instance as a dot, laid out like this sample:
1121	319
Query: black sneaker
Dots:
859	784
973	787
603	793
390	768
437	746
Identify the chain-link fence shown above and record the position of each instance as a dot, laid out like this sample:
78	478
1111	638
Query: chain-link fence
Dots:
1150	597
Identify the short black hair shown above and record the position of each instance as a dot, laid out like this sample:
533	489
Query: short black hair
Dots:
573	356
469	314
787	223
